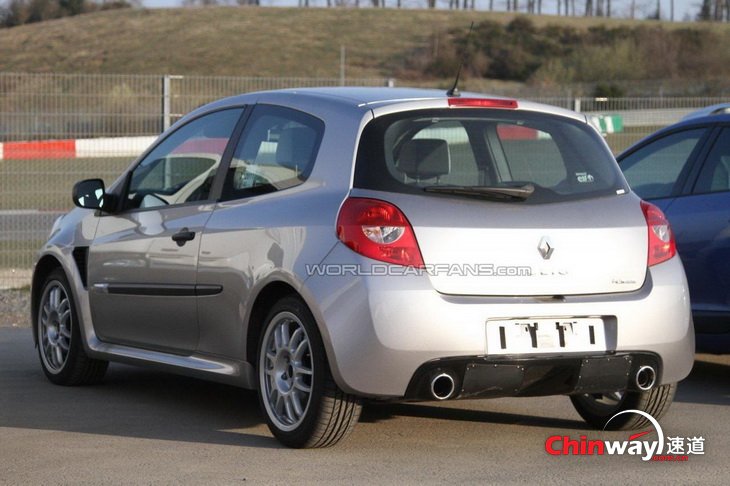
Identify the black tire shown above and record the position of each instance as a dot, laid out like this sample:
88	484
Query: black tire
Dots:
597	409
60	346
328	414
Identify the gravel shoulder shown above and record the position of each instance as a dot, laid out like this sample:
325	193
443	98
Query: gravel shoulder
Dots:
14	308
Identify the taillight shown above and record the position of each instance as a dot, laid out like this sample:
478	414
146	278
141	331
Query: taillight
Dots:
483	103
662	246
378	230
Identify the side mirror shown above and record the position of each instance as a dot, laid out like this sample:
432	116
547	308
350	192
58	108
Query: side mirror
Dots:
89	194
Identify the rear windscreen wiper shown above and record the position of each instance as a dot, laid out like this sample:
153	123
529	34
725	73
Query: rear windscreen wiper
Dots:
499	193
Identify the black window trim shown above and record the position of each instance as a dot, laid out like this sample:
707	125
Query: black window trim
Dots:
226	161
703	160
688	175
121	190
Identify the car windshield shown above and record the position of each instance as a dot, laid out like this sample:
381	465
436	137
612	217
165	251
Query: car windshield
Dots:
511	156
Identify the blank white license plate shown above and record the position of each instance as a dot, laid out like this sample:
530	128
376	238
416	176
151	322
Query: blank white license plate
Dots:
545	335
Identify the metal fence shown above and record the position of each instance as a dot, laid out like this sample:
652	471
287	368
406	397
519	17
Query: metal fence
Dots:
59	106
58	128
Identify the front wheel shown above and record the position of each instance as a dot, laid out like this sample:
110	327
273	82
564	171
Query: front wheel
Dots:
598	408
60	349
302	404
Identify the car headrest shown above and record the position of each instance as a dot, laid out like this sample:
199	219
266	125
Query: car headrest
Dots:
294	148
424	158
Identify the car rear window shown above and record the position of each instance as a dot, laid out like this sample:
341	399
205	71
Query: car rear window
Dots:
562	158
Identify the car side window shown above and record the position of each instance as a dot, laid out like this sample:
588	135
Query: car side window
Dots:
276	151
653	170
181	169
715	174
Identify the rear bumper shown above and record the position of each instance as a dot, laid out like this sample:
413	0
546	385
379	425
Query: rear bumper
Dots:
484	377
379	330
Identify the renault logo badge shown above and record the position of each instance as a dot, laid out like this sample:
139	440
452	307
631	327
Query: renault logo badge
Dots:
545	248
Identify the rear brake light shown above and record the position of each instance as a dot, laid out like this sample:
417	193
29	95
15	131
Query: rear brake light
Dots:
378	230
662	246
483	103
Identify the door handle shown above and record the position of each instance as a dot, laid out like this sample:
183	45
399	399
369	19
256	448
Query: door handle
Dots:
183	236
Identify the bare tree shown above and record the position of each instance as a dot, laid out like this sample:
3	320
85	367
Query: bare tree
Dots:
718	13
705	10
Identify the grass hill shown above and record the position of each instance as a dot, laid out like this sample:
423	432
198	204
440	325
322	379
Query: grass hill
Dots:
241	41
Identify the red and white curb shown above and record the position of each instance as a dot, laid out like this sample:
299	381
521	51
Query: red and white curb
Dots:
75	148
133	146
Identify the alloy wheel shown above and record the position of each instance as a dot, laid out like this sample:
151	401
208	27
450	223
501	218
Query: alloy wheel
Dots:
286	371
54	327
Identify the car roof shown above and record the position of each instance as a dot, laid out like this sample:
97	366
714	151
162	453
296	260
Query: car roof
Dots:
718	109
370	95
377	99
702	120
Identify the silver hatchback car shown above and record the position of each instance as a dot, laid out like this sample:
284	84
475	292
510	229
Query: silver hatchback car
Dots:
325	246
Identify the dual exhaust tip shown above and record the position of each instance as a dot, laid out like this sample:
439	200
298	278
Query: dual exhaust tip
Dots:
443	385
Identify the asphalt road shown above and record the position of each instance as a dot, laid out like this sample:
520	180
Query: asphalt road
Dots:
146	427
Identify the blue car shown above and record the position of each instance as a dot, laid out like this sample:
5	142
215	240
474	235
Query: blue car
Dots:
684	169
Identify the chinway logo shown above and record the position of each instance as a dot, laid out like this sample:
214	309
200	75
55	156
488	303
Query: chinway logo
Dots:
674	449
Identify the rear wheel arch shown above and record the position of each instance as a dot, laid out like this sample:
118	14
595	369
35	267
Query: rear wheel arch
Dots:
265	300
269	296
302	404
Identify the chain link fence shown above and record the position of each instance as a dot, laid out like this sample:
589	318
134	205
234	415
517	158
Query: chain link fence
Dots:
56	129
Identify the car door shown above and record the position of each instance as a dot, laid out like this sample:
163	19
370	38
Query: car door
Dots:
253	231
143	260
701	221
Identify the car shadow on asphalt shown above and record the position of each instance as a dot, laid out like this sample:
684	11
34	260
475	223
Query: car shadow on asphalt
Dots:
381	412
708	383
138	403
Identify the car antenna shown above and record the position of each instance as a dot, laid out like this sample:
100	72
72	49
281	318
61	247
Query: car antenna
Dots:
454	91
